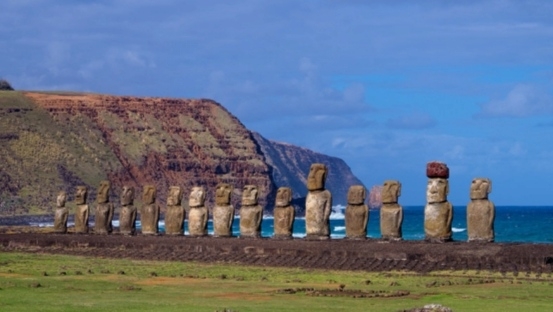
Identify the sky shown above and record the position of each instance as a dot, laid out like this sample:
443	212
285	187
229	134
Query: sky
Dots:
387	86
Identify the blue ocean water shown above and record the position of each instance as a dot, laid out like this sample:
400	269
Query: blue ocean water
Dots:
512	224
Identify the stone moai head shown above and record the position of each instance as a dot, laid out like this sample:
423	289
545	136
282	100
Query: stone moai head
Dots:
356	195
391	190
480	188
197	197
103	192
61	199
283	197
149	194
174	196
437	190
81	195
127	195
222	194
316	178
249	195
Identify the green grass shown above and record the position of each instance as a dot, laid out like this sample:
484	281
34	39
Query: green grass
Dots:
69	283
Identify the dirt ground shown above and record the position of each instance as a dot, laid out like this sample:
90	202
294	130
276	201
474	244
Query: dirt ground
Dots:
336	254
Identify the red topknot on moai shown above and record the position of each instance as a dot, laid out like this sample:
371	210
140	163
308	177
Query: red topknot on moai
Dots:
436	169
438	212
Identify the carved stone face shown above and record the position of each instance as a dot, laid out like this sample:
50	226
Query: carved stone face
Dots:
316	178
391	190
437	190
356	195
174	196
61	199
127	195
283	197
480	188
103	192
149	195
249	195
81	195
222	194
197	197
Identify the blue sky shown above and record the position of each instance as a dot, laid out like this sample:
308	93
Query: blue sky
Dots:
385	85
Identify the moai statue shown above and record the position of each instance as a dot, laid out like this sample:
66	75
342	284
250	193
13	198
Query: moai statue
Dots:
318	204
81	212
251	213
198	214
357	213
284	214
480	212
104	210
174	214
149	214
127	216
438	212
61	214
391	213
223	212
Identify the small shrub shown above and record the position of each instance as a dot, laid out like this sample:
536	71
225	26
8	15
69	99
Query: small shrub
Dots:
5	85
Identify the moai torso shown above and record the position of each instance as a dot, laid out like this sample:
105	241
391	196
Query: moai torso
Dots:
391	213
149	214
61	213
480	212
438	212
223	212
251	213
82	211
283	214
127	216
357	213
318	204
198	214
104	210
174	214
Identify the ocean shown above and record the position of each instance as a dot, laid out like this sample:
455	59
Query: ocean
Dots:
524	224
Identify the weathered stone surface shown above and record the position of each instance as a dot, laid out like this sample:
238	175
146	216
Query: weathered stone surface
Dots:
223	212
318	204
82	210
174	213
391	213
436	169
438	212
61	213
437	221
480	212
104	210
127	216
357	213
198	214
283	214
251	213
149	214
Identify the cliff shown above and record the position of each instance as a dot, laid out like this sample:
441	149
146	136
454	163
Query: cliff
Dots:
55	141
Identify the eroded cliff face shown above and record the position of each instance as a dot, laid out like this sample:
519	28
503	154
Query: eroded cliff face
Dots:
56	141
291	166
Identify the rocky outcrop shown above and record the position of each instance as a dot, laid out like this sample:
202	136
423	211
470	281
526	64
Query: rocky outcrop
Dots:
56	141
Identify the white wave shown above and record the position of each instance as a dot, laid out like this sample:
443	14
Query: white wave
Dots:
339	228
457	230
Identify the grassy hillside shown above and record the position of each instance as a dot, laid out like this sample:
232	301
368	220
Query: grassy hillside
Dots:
41	156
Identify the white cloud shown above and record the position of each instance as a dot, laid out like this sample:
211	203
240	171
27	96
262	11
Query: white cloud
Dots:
522	101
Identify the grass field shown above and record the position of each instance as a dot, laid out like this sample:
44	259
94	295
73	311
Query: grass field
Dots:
38	282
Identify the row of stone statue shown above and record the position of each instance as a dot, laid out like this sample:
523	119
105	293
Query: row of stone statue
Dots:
437	222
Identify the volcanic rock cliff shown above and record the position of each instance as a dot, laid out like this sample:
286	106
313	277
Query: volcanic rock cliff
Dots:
56	141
